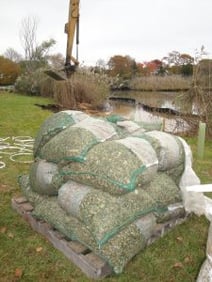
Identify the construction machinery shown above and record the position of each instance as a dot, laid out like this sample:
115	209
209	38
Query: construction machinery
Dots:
71	29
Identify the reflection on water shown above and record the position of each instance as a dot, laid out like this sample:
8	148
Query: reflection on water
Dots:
153	99
136	112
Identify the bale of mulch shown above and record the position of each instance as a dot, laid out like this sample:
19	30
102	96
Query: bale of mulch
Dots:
133	127
169	149
41	177
126	243
33	197
103	214
163	190
55	124
97	184
74	142
117	166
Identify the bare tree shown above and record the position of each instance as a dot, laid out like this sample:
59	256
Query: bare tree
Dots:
28	35
36	55
13	55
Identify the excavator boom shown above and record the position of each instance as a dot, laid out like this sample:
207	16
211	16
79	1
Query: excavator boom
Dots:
71	29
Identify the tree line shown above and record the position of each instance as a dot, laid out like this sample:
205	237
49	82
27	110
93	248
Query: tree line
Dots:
37	57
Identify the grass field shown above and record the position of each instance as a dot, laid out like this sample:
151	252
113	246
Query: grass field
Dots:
27	256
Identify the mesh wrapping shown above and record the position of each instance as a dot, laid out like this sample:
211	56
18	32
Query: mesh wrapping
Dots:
105	182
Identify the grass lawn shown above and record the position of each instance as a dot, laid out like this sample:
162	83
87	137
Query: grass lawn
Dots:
27	256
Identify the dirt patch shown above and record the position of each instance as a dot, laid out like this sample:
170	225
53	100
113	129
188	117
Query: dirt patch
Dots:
85	107
51	107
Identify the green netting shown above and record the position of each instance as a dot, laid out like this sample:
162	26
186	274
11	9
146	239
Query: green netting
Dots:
73	143
50	211
121	132
170	213
55	124
42	175
31	196
102	129
115	166
130	182
129	126
104	215
122	245
114	118
117	252
163	190
147	126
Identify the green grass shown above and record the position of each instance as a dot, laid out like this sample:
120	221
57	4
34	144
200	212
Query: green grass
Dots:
27	256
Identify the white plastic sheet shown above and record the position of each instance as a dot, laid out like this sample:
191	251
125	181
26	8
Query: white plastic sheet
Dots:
195	201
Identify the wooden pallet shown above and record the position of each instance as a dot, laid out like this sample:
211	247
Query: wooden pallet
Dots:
93	266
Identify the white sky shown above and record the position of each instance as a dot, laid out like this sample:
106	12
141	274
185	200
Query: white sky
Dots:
144	30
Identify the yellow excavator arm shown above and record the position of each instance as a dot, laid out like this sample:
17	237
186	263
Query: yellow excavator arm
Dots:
71	28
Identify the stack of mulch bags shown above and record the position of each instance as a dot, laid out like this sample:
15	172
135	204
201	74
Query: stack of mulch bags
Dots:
105	182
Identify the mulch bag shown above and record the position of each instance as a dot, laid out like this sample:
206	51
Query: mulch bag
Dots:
71	195
128	125
98	185
118	251
146	224
135	126
163	190
103	214
42	175
73	143
33	197
116	167
172	211
169	149
170	153
55	124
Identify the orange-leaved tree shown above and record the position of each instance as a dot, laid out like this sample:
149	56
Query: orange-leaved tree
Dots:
124	66
9	71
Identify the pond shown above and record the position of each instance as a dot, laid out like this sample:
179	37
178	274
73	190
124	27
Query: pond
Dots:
141	105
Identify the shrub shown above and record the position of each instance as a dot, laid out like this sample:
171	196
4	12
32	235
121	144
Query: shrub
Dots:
83	87
36	83
9	71
199	95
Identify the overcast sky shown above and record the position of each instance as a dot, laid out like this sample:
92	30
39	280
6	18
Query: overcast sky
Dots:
144	30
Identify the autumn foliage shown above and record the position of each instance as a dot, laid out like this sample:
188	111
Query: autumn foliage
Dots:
9	71
124	66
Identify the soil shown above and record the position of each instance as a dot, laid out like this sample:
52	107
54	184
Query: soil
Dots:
51	107
85	107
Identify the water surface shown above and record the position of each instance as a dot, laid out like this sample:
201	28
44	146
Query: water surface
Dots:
135	111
